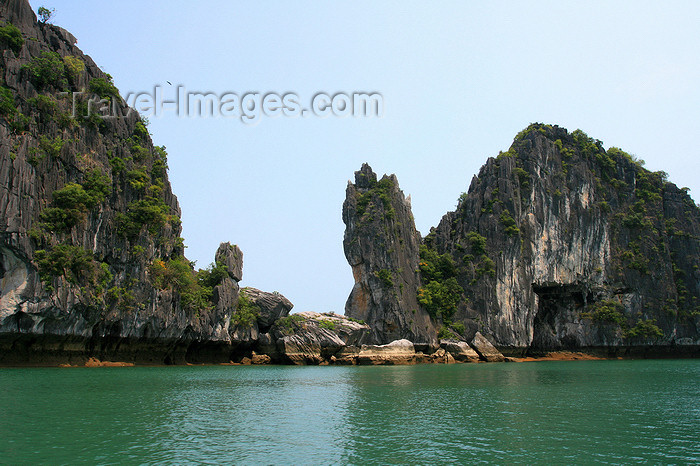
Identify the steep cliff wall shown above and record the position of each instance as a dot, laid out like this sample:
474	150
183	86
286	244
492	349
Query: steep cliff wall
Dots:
558	244
589	249
91	256
381	244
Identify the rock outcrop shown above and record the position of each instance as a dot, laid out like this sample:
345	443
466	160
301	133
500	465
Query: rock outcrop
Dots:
559	244
271	306
485	350
589	249
91	258
461	351
381	244
312	338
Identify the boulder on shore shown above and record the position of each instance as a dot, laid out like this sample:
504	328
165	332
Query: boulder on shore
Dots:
485	349
394	353
460	350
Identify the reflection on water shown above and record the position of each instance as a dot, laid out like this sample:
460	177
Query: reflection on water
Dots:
561	412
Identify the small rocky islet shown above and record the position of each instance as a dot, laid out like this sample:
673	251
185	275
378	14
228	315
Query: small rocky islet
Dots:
559	245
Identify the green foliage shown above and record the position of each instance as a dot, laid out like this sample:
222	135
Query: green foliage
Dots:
379	189
523	177
649	186
441	293
74	68
511	228
607	164
604	206
635	260
441	298
98	186
327	324
486	267
160	163
385	277
11	37
45	14
644	330
19	123
462	199
51	147
139	152
588	147
458	327
47	106
89	116
510	153
151	212
533	127
618	154
434	266
47	70
246	312
76	264
118	164
140	131
16	120
213	275
288	324
121	298
619	185
444	333
104	87
82	197
477	242
59	219
178	275
73	201
138	179
636	220
606	312
7	102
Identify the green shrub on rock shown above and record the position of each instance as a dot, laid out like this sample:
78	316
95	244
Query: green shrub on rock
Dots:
11	37
606	312
47	70
246	312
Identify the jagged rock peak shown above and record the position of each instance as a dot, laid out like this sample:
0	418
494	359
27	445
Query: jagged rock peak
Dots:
381	244
232	257
365	178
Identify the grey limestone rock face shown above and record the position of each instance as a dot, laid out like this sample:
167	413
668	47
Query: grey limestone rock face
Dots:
87	217
313	338
232	257
589	249
559	244
381	244
272	306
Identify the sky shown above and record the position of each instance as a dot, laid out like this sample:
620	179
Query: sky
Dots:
458	79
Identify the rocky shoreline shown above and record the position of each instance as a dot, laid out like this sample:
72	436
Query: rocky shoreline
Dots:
306	338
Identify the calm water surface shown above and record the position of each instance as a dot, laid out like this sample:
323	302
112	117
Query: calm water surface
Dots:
547	412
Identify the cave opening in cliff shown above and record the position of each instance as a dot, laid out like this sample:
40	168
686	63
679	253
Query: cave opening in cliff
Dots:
557	304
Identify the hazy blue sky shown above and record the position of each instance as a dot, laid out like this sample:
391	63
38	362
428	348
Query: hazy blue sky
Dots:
459	80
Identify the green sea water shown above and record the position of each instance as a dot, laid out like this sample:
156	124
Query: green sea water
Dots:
582	412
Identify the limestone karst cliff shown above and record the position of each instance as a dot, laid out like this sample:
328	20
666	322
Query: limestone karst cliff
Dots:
92	261
381	244
558	244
